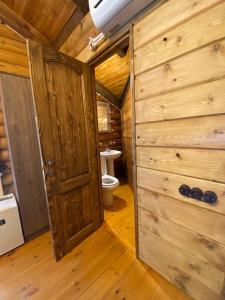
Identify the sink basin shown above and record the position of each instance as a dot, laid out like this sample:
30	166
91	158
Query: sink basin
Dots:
111	154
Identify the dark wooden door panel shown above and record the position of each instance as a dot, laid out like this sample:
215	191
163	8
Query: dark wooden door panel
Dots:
68	111
63	95
66	185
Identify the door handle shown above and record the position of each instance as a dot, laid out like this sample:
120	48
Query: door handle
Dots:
50	162
48	167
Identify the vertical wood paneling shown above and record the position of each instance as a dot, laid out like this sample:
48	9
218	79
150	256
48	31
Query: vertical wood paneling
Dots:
126	118
5	160
26	158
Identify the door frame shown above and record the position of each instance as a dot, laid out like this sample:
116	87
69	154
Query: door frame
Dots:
126	38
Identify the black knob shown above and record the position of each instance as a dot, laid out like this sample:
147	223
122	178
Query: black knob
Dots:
209	197
184	190
196	193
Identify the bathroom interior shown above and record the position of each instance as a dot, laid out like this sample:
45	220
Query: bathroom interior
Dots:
114	112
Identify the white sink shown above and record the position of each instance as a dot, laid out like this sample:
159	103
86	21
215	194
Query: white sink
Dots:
110	154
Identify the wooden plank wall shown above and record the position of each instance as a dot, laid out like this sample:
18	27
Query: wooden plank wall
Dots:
179	68
113	138
13	53
126	122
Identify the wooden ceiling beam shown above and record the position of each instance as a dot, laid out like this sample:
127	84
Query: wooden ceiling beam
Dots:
10	18
73	21
107	94
125	92
83	5
122	52
79	38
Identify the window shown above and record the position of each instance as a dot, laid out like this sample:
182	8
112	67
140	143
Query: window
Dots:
103	116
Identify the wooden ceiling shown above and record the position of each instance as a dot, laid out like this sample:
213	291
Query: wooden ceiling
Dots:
114	73
53	20
81	33
65	25
48	17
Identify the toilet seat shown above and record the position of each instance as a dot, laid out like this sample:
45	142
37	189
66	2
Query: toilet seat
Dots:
109	181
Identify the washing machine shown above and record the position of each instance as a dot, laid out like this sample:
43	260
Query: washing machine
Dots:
11	235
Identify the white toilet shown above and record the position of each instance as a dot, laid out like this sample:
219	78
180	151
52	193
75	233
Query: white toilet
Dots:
109	183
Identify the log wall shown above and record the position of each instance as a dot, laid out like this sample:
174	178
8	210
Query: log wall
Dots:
13	53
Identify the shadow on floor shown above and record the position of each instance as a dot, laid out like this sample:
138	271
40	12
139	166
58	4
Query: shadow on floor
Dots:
119	204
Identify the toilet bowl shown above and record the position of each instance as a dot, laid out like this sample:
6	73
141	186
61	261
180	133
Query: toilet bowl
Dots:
109	183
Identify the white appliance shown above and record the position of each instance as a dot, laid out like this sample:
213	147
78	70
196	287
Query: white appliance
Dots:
109	15
11	235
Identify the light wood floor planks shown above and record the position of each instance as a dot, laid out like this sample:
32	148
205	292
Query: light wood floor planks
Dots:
120	216
102	267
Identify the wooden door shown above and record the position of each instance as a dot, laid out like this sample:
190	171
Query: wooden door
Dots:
179	90
62	89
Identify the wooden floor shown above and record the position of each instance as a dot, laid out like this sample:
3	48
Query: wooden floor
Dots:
120	216
102	267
